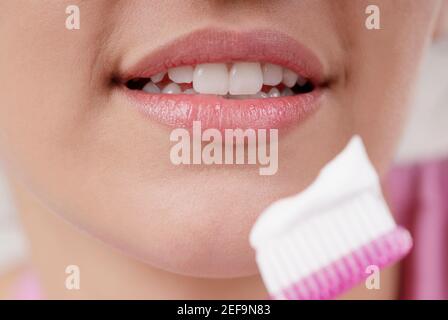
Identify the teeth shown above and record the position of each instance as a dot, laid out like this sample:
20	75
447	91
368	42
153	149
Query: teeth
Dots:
211	78
301	81
172	88
274	93
289	78
287	92
190	91
158	77
272	74
245	78
151	88
261	94
258	95
240	97
238	80
182	74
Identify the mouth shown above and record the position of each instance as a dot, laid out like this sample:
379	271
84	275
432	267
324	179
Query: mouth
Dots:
226	79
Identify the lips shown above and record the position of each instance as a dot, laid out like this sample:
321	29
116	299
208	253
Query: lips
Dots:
180	110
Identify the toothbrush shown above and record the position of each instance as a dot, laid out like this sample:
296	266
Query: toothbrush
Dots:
319	243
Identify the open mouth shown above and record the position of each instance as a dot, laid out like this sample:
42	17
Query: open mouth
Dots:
226	79
238	80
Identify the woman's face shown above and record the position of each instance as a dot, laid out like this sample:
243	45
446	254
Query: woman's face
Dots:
70	134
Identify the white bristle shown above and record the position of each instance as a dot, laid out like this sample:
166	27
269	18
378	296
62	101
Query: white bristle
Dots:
322	240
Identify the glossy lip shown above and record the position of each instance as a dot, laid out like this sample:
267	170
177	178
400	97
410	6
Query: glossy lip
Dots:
215	45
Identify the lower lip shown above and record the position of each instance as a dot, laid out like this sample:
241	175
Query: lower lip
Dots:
181	110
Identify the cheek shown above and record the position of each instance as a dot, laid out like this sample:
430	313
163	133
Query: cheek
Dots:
45	81
105	170
381	69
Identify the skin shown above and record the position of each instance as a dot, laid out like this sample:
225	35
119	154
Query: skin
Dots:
93	180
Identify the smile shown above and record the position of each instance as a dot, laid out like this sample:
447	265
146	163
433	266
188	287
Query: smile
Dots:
226	79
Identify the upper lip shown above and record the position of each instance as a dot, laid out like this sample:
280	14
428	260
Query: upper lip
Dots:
216	45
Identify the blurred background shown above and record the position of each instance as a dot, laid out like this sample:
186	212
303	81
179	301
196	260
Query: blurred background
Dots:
12	243
425	138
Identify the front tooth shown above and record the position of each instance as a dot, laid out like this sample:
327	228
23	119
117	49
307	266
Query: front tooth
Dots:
289	78
182	74
272	74
172	88
151	88
274	93
211	78
245	78
158	77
